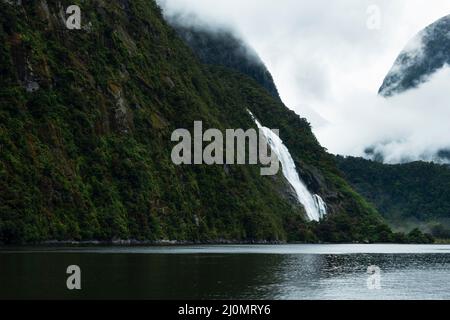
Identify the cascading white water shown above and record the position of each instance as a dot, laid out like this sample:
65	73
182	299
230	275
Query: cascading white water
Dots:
314	205
320	205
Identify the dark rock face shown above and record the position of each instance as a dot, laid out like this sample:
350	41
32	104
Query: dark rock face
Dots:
426	53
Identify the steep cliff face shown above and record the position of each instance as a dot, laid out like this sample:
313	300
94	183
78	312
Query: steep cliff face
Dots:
86	118
426	53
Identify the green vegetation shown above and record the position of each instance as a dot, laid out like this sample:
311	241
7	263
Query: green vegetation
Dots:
86	154
306	151
407	195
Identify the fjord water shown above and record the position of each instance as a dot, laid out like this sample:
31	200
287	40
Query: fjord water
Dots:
228	272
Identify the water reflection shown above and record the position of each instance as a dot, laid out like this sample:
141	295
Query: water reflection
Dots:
404	276
223	276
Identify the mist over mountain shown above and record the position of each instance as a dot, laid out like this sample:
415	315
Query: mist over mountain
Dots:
222	47
413	193
329	69
426	53
396	190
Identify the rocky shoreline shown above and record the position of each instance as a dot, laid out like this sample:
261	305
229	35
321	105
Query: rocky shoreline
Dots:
133	242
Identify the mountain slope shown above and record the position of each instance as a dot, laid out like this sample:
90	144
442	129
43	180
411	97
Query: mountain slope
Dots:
226	55
87	154
408	195
221	47
86	118
414	194
206	47
426	53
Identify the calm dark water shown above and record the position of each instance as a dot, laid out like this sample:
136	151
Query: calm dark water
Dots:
228	272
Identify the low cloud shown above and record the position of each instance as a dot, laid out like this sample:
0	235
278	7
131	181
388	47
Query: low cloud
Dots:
407	127
328	67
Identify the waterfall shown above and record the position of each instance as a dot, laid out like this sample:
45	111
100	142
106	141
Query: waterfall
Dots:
320	205
314	205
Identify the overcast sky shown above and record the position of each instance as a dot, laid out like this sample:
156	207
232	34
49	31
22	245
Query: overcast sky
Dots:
328	65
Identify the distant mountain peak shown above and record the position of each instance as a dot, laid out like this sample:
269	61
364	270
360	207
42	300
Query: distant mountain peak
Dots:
426	53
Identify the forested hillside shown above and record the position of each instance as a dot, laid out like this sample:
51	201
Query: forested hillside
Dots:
408	195
86	118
